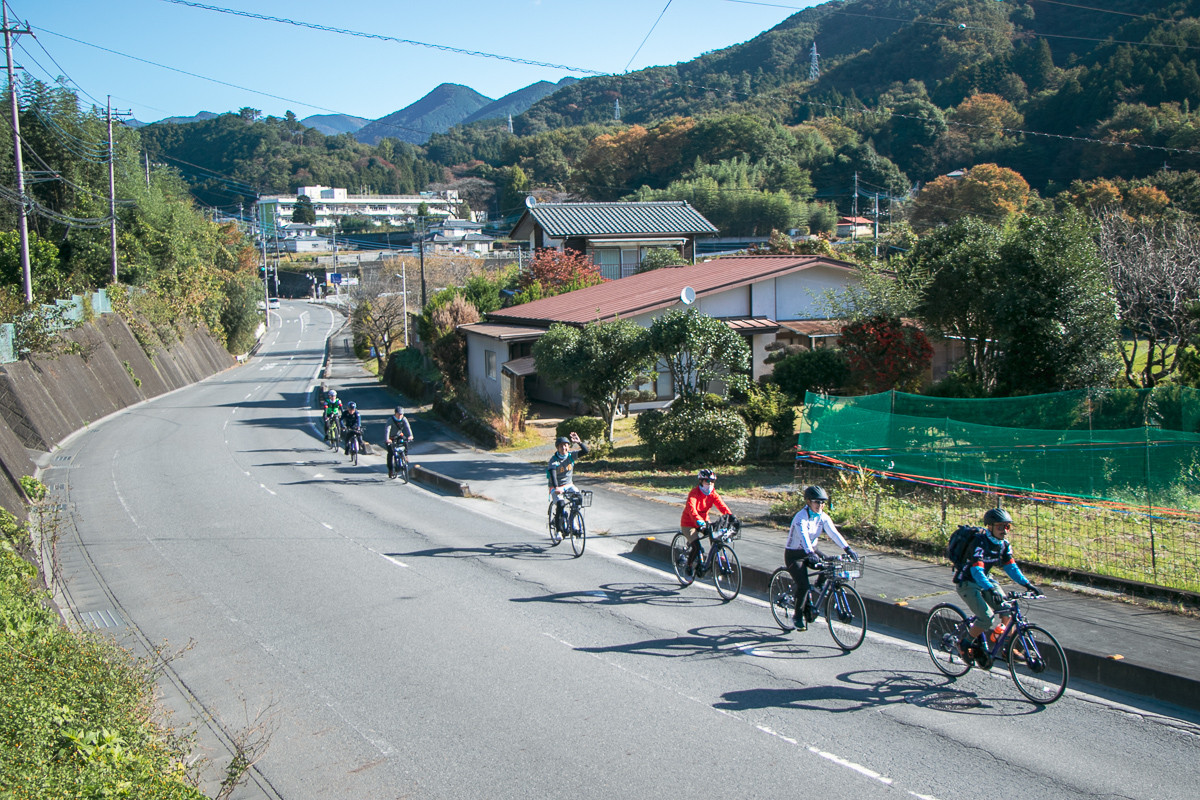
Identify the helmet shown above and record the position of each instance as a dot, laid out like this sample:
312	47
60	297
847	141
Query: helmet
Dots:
995	515
399	411
706	475
561	440
333	394
815	493
352	405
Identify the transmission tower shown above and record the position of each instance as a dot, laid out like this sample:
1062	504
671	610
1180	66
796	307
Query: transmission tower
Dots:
814	66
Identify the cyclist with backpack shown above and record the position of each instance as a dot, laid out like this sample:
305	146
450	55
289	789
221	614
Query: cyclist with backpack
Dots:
975	551
351	425
800	553
398	431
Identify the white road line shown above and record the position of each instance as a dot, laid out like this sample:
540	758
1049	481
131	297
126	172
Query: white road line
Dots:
859	768
268	491
117	492
327	525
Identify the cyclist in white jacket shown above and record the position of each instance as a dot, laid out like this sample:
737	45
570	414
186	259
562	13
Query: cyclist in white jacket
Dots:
801	551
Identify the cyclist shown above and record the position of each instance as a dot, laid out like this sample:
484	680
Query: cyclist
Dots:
351	423
561	473
397	429
694	520
982	594
800	552
332	407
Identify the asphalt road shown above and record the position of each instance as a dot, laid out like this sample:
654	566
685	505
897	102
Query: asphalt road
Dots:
404	644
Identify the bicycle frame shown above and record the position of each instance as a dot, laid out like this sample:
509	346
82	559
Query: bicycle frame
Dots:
830	579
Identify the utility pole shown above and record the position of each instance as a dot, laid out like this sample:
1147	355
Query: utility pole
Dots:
147	155
421	244
876	224
854	215
262	241
22	221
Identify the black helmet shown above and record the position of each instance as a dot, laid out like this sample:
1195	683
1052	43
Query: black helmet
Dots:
706	475
352	405
995	515
815	493
562	440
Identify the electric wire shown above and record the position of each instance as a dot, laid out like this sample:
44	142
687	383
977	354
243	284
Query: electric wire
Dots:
381	37
647	38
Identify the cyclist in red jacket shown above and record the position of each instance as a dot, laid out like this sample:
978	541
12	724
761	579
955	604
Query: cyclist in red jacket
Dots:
694	521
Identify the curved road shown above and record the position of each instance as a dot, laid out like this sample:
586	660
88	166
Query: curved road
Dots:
404	644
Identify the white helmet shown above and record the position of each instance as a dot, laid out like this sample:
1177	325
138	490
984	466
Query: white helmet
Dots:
333	394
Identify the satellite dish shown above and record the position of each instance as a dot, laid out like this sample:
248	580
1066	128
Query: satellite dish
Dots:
530	201
687	296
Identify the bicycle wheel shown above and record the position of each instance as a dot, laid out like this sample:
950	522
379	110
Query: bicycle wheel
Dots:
945	626
555	533
782	594
727	572
335	435
1038	665
679	553
354	450
405	469
578	532
846	616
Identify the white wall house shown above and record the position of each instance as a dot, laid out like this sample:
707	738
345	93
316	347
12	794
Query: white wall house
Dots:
755	295
275	211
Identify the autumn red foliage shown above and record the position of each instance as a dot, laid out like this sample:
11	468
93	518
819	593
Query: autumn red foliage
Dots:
884	353
556	272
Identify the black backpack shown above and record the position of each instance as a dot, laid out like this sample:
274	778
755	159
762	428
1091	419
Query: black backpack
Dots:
962	541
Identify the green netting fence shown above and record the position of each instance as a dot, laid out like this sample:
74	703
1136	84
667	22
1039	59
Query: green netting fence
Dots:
1138	447
1106	481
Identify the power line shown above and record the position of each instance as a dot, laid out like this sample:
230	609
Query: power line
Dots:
381	37
652	27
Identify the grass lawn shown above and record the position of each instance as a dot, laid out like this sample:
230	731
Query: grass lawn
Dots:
629	466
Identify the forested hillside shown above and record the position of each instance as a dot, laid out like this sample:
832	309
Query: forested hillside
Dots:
1057	96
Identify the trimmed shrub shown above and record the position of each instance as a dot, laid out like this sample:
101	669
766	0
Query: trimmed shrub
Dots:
691	434
590	429
646	426
822	370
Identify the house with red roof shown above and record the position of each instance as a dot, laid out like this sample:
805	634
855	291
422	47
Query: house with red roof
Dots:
761	297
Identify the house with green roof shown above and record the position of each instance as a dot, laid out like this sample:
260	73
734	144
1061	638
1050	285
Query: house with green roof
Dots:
615	236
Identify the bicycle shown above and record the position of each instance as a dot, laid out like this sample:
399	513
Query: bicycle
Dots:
355	444
573	501
834	596
721	559
1035	659
401	468
333	433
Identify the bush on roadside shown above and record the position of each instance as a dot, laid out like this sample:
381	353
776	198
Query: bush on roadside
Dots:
590	429
77	718
646	426
692	434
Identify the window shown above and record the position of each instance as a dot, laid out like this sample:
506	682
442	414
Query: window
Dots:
608	259
489	363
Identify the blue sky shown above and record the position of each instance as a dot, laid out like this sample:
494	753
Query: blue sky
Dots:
276	66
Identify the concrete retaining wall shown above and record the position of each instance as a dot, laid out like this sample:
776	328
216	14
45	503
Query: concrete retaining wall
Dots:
44	400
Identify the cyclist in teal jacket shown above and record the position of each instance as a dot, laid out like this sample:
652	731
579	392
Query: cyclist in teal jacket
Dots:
982	594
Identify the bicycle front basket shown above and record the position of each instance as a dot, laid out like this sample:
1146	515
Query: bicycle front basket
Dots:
585	498
849	570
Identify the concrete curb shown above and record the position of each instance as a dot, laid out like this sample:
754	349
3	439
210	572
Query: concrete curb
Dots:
436	479
1110	672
